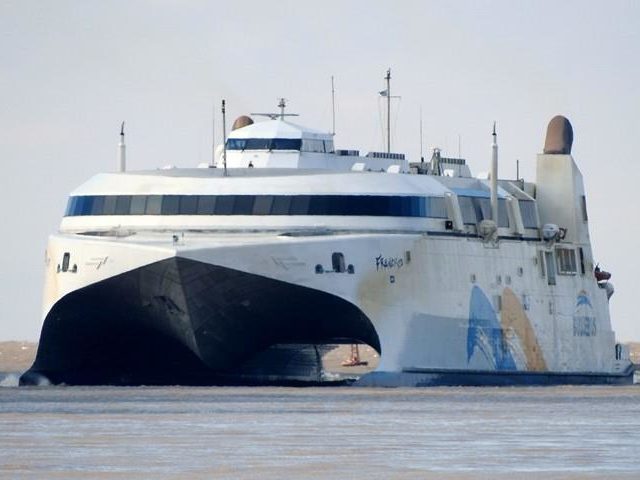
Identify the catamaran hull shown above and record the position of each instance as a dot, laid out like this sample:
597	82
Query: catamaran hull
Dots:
179	321
260	312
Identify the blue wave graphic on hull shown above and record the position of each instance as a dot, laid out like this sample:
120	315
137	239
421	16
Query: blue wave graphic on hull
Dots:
485	333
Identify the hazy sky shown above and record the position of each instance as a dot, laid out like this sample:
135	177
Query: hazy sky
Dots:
71	71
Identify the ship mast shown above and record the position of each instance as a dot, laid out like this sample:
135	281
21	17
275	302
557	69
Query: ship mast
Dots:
387	93
333	108
494	176
282	104
224	137
388	79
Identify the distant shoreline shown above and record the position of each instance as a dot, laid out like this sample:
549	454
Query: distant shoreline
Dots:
17	356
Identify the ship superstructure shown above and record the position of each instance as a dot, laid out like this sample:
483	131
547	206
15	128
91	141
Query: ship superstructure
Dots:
206	275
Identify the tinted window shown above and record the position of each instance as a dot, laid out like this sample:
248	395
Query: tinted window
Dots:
352	205
236	144
257	144
483	208
138	204
243	205
344	206
170	204
206	204
224	205
528	212
98	205
395	206
154	205
285	144
318	205
264	143
70	210
109	207
280	205
437	208
262	205
299	205
123	203
188	204
84	205
468	210
503	216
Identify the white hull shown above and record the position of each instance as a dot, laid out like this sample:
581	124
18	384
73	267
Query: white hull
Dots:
420	292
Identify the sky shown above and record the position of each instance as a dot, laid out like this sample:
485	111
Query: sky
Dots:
71	71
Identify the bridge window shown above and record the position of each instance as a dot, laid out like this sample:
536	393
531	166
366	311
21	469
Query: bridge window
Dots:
97	205
264	144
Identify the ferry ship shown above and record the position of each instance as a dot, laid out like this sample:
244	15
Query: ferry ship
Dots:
245	271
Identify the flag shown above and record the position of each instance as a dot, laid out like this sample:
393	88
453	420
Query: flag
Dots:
384	93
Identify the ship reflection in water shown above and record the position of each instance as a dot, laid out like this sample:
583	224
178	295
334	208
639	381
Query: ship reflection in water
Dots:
178	432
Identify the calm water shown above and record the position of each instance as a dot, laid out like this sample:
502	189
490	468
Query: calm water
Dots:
175	432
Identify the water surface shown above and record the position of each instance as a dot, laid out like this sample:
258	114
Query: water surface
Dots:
178	432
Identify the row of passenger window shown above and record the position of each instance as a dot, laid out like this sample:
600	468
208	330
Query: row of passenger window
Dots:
355	205
473	209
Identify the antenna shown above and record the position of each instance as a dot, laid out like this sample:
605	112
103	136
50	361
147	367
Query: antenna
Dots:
333	108
494	176
459	146
421	155
387	93
388	79
122	154
212	164
517	169
224	137
282	103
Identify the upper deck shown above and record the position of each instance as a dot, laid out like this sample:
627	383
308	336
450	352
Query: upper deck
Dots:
295	180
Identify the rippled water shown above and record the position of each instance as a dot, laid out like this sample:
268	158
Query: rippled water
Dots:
176	432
